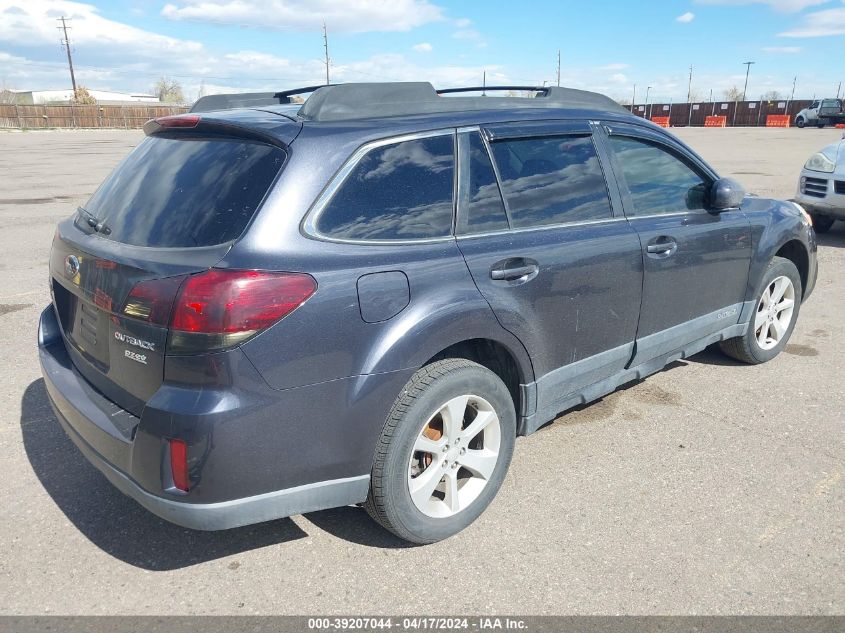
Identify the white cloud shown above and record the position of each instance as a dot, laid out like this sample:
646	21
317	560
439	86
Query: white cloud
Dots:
617	66
785	50
819	24
470	35
422	47
462	23
618	78
351	16
783	6
685	18
33	23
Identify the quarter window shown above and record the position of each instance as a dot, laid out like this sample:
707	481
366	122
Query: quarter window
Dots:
658	181
552	180
397	191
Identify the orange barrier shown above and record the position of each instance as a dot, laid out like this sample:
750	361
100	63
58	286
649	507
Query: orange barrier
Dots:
840	126
777	120
716	121
662	121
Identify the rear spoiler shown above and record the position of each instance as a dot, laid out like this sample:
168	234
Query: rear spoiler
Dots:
247	99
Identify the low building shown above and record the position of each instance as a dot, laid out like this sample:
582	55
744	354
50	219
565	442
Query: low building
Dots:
103	97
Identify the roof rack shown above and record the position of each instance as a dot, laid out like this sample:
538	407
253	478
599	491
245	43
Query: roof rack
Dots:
248	99
342	102
543	89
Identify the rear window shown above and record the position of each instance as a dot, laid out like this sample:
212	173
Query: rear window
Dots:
190	191
397	191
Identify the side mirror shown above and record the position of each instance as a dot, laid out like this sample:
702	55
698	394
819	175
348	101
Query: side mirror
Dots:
726	194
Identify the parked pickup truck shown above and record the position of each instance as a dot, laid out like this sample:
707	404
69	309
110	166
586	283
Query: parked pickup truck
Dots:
820	113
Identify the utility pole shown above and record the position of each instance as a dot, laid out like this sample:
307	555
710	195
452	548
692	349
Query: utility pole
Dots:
689	98
326	47
792	96
747	72
645	112
66	44
838	88
558	68
634	99
484	84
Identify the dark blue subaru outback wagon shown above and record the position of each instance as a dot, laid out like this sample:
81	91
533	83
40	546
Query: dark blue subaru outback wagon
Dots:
269	309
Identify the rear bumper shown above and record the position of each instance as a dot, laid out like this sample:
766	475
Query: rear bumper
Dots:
116	454
226	514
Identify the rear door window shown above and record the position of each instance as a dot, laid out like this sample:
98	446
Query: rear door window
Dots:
552	180
399	191
187	191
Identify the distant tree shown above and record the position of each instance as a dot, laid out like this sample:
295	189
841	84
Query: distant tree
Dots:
168	90
733	94
83	97
7	97
624	101
772	95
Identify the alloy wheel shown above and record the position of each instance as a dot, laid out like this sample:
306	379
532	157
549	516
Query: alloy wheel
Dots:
774	312
454	456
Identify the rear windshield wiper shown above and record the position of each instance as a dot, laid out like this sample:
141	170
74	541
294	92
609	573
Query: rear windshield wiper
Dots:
92	221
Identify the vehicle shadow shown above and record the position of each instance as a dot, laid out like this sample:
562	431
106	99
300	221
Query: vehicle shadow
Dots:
353	524
834	237
115	523
712	355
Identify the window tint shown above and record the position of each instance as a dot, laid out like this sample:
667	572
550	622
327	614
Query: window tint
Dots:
191	191
552	180
484	209
398	191
658	181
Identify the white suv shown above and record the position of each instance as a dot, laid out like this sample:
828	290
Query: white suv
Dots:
821	187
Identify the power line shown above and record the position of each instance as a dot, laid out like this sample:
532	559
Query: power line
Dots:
66	44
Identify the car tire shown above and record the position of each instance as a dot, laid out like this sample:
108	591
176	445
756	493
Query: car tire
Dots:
822	223
799	122
422	417
773	319
820	126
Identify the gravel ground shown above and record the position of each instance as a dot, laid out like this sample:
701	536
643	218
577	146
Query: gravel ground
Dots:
710	488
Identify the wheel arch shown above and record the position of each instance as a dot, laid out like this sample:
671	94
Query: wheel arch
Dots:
496	357
465	328
795	251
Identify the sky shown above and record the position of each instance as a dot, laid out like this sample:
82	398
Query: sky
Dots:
211	46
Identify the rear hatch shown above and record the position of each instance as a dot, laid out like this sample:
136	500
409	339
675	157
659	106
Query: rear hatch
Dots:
172	208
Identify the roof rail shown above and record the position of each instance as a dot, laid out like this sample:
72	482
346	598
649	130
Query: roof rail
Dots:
443	91
340	102
248	99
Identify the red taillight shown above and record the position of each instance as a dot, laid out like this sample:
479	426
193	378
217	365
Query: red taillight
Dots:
179	464
218	308
153	300
237	301
178	120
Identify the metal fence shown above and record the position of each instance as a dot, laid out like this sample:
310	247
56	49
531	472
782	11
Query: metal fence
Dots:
81	116
738	113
